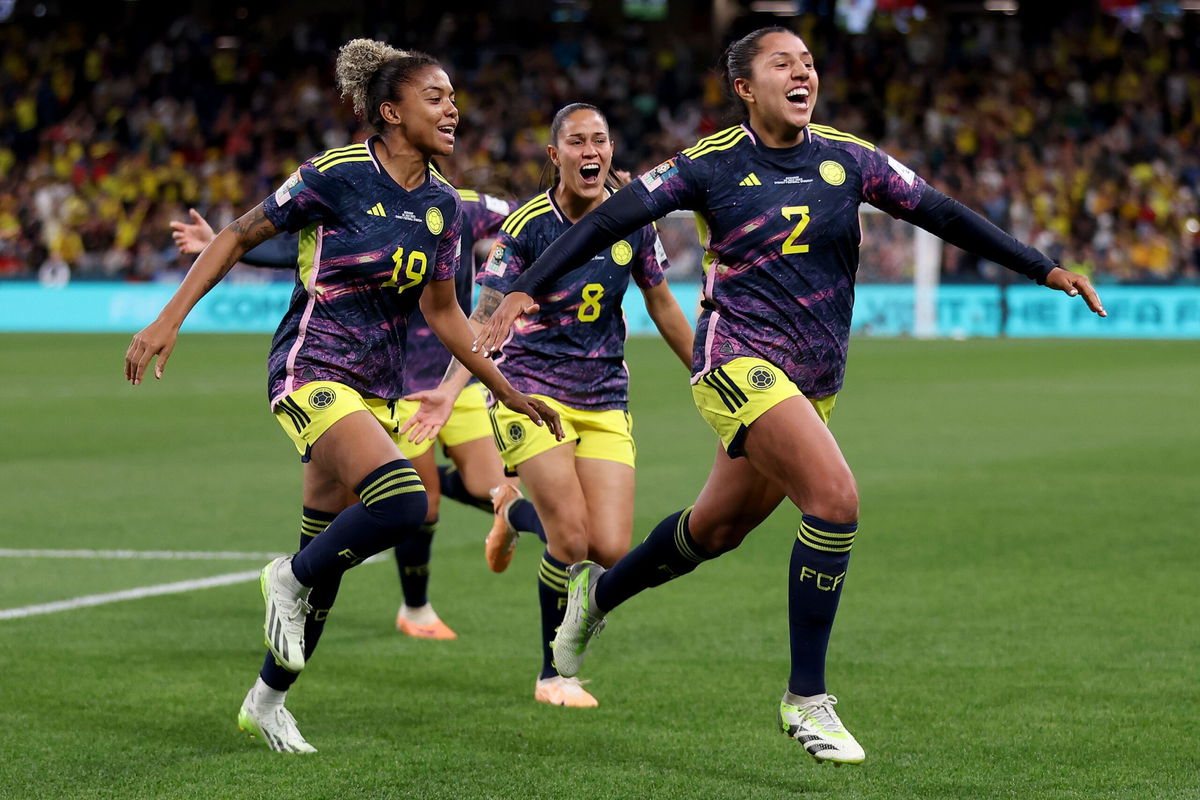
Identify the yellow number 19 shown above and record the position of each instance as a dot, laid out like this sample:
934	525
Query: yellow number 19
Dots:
414	270
789	244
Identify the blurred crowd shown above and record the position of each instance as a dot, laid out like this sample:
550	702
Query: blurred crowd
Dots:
1086	143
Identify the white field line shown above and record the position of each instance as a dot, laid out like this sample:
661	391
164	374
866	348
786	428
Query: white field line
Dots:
177	587
88	600
152	555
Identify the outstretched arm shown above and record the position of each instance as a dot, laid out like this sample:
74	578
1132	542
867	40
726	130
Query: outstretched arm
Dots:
949	219
158	338
616	218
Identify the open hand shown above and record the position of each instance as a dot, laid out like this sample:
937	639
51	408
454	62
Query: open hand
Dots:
495	331
192	237
156	339
427	421
1075	284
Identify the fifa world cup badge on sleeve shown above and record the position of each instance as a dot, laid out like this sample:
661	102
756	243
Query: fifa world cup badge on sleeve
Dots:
904	172
290	188
495	265
659	175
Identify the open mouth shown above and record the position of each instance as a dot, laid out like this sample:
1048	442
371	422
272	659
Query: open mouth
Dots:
590	173
798	97
448	130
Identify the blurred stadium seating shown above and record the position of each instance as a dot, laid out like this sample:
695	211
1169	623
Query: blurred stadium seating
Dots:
1073	129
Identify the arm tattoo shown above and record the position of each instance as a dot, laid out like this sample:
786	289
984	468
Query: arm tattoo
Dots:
489	300
253	228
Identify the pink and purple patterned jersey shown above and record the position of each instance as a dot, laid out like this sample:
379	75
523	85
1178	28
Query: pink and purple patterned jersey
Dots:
574	349
780	233
427	356
367	249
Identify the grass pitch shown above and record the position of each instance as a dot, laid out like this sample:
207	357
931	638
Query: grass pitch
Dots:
1019	619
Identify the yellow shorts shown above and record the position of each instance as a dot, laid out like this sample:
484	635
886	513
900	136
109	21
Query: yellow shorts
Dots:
606	435
468	421
731	397
308	412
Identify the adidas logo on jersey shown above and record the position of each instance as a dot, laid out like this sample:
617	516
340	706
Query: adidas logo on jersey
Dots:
750	180
377	210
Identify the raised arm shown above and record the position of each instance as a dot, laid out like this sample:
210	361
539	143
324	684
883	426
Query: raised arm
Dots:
616	218
158	338
950	220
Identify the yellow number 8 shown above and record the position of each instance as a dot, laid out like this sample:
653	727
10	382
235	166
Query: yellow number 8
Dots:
590	310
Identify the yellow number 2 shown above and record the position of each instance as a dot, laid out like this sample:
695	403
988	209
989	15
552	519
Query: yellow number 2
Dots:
414	269
789	244
590	310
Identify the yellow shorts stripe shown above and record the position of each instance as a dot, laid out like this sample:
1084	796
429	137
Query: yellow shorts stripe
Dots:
604	434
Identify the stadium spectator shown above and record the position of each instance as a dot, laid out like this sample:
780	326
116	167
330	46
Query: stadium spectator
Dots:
1090	136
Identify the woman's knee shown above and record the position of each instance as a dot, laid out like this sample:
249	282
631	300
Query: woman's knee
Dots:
837	502
567	538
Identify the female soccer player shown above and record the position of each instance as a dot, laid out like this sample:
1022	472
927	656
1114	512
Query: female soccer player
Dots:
376	226
571	357
777	200
477	477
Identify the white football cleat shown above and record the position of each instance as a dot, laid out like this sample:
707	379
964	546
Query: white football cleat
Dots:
275	725
815	725
582	621
285	613
559	691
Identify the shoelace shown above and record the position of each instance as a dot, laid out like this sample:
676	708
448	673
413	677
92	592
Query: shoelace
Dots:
823	713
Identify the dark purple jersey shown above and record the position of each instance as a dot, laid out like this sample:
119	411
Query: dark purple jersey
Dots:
367	249
427	356
780	233
574	349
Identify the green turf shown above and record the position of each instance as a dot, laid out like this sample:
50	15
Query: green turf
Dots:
1019	621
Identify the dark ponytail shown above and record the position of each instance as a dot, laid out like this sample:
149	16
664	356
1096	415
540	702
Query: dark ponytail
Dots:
737	60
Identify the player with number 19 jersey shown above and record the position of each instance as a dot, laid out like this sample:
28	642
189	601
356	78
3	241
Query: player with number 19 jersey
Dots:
780	234
367	249
573	350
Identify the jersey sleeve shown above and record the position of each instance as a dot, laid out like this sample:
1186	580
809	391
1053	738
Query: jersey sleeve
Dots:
307	197
487	214
507	261
449	248
650	260
677	183
887	184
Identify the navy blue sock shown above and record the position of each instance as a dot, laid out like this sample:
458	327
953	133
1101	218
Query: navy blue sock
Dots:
524	517
452	485
820	556
312	523
552	595
392	506
412	561
668	552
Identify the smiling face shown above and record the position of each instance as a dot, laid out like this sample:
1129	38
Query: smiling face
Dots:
583	154
782	88
426	112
